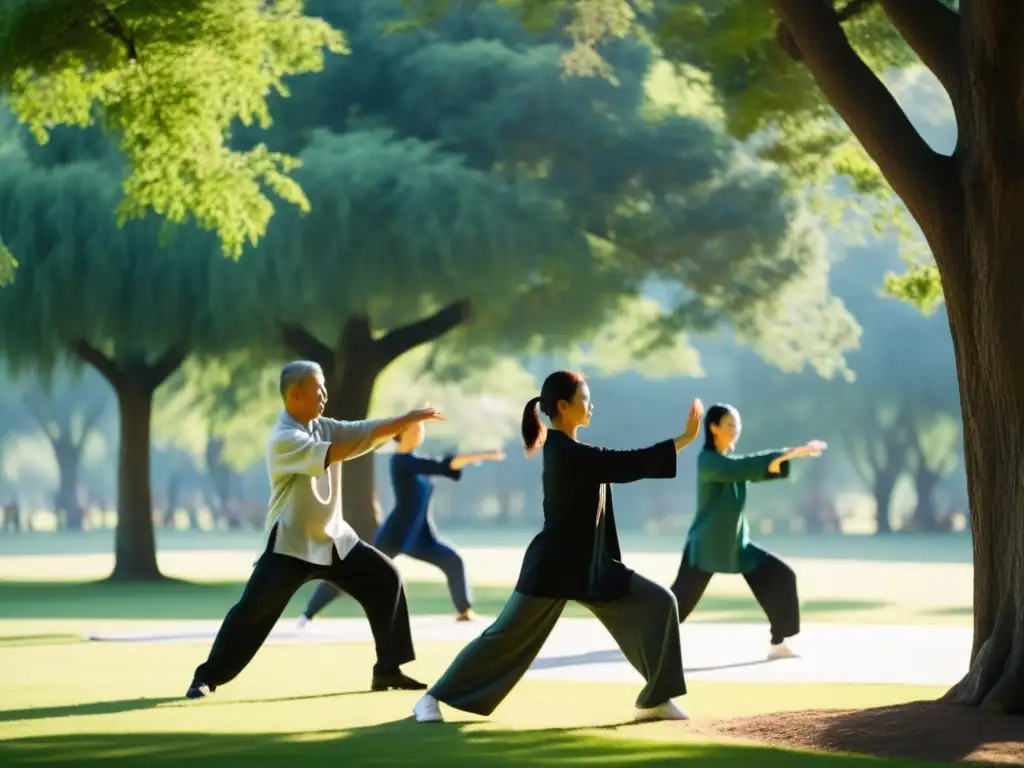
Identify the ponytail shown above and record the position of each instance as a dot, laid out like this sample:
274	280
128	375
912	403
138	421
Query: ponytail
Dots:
560	385
533	430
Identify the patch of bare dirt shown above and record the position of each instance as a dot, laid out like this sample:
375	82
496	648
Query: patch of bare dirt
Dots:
929	731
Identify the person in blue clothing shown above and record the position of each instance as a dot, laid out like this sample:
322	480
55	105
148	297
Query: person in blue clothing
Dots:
409	529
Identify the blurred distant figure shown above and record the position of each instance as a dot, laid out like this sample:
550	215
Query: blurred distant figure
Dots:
409	529
101	507
307	538
719	537
576	557
12	516
831	523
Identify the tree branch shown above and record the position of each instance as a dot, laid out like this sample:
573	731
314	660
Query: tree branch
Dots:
848	11
303	344
112	26
92	415
400	340
933	32
103	364
915	171
37	413
165	365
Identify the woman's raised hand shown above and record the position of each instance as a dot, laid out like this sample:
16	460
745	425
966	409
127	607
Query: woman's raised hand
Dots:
813	448
693	421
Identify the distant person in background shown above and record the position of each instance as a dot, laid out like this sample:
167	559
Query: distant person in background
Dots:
307	537
12	516
576	557
409	529
719	537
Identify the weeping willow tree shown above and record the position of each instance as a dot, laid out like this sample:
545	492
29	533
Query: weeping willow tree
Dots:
167	79
466	194
115	299
402	240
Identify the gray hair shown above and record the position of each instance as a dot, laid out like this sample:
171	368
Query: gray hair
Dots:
297	372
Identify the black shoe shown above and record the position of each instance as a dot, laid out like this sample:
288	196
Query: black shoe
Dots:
199	690
396	681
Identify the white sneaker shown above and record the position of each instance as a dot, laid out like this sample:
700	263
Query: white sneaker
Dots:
667	711
780	651
302	623
427	710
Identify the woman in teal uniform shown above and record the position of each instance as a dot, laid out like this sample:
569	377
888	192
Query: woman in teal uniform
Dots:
719	538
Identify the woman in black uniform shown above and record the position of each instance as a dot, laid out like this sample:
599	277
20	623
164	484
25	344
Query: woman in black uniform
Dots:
576	557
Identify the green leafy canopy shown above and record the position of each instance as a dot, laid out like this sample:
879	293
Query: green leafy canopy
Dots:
766	99
7	265
167	79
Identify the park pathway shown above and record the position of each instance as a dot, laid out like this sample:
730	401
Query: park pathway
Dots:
581	649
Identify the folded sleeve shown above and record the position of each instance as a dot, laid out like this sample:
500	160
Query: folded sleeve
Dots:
295	452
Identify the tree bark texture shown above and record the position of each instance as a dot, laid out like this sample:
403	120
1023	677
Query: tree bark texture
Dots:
969	206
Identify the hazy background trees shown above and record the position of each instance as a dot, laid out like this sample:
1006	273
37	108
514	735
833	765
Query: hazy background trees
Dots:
476	219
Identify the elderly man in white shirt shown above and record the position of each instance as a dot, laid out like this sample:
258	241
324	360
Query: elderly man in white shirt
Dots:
307	537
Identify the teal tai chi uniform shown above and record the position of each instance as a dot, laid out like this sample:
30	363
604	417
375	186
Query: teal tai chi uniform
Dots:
719	540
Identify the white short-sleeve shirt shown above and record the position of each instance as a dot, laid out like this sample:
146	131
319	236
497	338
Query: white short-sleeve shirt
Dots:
305	497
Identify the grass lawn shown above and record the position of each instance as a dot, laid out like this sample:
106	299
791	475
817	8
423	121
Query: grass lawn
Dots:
64	701
210	600
40	585
121	705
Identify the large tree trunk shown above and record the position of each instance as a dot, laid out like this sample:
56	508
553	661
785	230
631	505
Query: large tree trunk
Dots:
991	374
984	286
986	322
969	208
134	382
134	542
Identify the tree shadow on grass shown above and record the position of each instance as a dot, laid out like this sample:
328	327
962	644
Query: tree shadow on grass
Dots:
403	743
173	600
15	641
81	710
920	730
119	706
